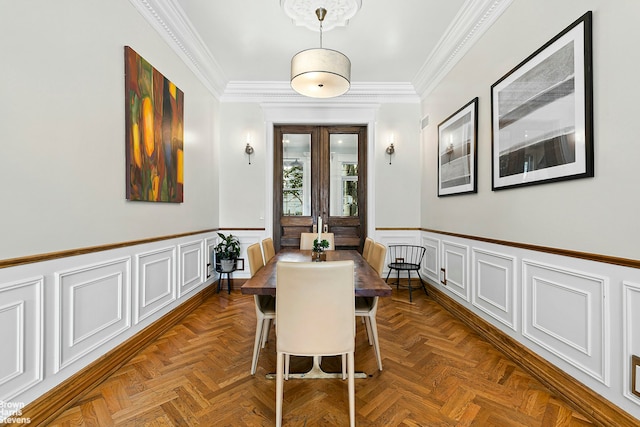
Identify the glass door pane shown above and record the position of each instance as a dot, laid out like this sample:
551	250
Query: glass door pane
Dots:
296	175
343	165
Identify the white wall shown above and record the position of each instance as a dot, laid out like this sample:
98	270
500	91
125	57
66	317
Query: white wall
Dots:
397	185
596	215
63	130
62	170
242	185
246	190
578	314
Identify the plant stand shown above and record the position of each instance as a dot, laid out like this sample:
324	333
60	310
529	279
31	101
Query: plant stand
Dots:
221	273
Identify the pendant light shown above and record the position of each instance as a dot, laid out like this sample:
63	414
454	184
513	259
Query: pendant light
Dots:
320	73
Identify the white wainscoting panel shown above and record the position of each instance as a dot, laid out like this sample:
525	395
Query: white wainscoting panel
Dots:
92	306
191	266
578	335
431	261
209	257
493	289
155	281
455	258
631	336
21	336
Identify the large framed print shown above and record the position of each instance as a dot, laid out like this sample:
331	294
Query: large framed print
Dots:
542	113
457	151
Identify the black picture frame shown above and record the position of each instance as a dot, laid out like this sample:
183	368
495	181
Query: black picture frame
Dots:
542	113
458	151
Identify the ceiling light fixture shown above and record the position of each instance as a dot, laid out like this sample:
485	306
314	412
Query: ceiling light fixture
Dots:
320	73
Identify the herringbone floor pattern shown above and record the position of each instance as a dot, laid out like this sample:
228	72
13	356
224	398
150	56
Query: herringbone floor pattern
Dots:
437	372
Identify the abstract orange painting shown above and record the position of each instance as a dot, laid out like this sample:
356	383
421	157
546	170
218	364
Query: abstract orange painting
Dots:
155	129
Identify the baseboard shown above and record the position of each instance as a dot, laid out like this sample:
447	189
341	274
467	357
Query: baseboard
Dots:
51	404
576	394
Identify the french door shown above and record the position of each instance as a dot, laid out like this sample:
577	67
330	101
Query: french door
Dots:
320	172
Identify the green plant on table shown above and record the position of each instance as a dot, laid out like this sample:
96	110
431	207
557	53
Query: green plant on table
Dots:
320	246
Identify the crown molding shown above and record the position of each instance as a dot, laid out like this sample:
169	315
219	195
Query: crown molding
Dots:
473	19
168	18
170	21
281	92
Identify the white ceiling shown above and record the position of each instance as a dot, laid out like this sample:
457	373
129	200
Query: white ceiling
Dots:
249	43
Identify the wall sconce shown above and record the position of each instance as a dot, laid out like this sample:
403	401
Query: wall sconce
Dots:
390	150
249	150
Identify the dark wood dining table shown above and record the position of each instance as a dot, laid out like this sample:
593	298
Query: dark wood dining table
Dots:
367	281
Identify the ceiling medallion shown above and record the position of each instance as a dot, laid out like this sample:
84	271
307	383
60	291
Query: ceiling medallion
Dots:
302	12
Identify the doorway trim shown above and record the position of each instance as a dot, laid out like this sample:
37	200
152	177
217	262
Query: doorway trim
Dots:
320	114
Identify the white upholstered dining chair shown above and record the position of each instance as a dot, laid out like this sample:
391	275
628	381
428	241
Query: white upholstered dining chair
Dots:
315	316
268	249
366	249
265	306
367	307
306	240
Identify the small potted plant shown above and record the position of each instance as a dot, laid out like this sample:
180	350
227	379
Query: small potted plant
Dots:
227	252
317	253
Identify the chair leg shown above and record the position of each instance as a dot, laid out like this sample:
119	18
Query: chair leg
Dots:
256	345
409	276
374	332
265	331
422	282
352	390
367	324
344	366
287	361
279	387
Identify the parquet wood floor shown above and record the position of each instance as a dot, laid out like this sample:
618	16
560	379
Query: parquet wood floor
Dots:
437	372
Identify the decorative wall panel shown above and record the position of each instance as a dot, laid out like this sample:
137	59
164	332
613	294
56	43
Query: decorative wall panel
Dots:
493	289
191	266
578	335
209	249
431	262
92	306
156	283
631	337
21	336
455	260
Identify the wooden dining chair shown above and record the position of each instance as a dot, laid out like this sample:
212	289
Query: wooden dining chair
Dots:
367	307
265	306
366	249
315	316
268	249
306	240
